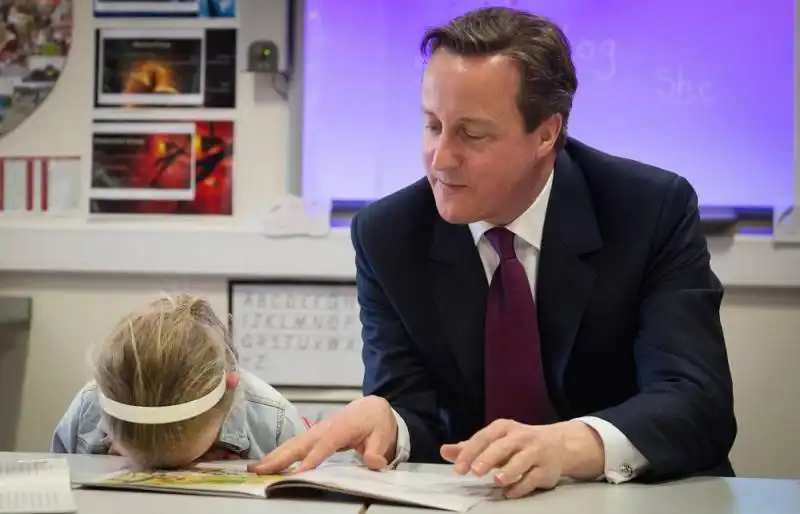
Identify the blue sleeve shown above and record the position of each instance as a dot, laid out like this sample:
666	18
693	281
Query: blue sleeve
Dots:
292	424
65	438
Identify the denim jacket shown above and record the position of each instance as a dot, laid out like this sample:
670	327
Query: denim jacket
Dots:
260	420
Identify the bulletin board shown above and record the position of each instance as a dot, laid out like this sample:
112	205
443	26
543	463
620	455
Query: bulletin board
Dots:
294	333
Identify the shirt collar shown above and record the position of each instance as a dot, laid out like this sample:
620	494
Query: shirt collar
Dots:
529	225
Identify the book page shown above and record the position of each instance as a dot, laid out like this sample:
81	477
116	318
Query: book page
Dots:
222	480
36	486
448	492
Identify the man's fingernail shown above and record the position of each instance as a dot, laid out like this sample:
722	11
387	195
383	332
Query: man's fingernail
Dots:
503	479
478	468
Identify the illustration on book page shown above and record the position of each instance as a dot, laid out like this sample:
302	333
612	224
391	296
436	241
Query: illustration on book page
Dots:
206	477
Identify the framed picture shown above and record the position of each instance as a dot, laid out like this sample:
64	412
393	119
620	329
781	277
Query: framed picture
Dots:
150	66
127	157
162	167
165	8
185	67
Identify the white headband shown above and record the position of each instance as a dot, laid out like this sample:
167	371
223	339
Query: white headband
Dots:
167	414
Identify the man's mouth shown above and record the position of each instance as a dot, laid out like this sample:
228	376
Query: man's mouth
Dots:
450	184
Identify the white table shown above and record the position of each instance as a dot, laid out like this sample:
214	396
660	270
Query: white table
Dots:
90	501
693	496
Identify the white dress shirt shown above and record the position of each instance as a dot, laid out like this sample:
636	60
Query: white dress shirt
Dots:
622	460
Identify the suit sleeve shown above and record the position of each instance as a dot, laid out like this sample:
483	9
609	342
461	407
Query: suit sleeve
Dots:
392	367
682	420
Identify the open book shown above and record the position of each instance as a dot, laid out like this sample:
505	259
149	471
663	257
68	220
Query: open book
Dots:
452	493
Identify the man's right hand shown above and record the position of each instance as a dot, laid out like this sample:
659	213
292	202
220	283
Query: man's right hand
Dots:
367	426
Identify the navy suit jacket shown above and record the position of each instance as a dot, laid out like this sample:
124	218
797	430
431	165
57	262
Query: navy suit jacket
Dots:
628	312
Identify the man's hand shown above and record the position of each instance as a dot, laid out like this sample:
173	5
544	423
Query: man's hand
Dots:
366	425
529	457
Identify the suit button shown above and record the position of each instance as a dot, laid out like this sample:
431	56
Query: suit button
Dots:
626	470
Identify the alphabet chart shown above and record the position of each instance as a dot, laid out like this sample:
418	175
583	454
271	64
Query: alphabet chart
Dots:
304	334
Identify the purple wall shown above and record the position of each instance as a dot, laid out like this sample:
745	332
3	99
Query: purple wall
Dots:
705	89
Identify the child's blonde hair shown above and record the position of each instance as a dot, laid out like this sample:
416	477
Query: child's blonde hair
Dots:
172	351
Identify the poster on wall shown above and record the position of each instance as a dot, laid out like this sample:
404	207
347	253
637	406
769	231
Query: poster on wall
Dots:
162	167
35	37
184	67
16	186
139	161
165	8
44	185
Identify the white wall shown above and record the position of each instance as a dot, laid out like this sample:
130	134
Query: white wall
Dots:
73	310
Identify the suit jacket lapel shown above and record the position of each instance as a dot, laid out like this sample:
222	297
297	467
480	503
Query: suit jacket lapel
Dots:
565	279
459	288
563	288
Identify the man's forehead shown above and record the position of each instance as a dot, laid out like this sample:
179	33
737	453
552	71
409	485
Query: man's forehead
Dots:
475	89
474	66
478	76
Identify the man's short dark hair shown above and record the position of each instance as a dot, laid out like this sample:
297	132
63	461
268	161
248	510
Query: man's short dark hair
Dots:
538	47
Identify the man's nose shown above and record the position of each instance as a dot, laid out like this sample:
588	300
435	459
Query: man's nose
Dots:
444	156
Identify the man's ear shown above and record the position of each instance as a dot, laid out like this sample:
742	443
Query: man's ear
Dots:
232	380
549	131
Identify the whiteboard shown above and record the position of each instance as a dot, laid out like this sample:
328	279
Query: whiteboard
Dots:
297	333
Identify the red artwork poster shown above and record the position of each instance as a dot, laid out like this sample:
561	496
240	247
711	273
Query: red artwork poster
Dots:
165	168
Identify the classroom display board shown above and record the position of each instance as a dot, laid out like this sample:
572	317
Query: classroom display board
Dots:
40	185
297	333
35	38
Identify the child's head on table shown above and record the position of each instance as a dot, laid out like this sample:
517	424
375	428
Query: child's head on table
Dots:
167	380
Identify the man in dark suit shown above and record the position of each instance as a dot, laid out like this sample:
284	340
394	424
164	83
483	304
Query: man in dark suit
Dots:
534	308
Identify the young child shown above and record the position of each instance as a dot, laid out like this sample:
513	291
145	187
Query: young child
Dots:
167	392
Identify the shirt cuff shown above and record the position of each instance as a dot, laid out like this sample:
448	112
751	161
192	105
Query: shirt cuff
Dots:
623	461
403	449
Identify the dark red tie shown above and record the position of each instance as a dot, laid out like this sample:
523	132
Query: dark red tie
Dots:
514	380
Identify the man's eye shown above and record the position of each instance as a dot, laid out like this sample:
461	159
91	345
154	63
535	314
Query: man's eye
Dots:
471	135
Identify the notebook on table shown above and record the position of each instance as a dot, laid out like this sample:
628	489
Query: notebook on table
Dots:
37	486
444	492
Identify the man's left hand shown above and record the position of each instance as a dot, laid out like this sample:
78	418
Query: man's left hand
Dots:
527	457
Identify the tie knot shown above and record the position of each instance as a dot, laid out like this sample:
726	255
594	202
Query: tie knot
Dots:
502	241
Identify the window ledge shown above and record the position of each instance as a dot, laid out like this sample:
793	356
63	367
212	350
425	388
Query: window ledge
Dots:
208	250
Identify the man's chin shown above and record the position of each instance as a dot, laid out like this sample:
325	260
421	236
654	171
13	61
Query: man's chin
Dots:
455	214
